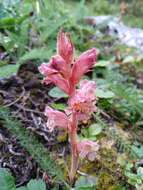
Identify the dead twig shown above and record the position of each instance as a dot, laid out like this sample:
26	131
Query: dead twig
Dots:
15	101
28	110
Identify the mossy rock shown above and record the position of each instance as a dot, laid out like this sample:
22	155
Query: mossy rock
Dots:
108	159
107	182
89	167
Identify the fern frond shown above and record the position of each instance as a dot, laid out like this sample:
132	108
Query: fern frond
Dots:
122	142
120	137
38	152
130	95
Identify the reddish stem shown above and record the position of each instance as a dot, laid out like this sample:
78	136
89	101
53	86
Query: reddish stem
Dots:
73	142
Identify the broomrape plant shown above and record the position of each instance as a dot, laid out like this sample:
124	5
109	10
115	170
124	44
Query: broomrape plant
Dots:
65	72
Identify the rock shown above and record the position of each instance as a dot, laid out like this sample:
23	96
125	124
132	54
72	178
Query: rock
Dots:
132	37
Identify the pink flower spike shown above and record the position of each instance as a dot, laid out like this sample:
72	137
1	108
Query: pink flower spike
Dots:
59	64
46	70
56	65
85	147
83	101
83	64
55	119
64	47
87	88
60	82
56	72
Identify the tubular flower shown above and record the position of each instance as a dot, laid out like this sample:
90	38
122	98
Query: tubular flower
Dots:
83	101
55	119
64	47
85	147
82	65
56	72
62	70
56	65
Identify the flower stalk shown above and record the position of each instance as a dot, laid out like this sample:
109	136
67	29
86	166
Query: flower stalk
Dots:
65	72
73	141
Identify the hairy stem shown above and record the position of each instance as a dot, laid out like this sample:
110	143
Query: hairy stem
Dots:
73	142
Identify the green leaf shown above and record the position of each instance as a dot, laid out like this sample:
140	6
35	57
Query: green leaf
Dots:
129	59
94	129
52	28
57	93
132	59
3	62
37	53
58	106
138	150
140	172
85	183
102	63
6	180
129	166
22	188
8	70
36	185
102	93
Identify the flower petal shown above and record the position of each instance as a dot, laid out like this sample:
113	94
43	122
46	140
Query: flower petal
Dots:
85	147
87	89
57	72
83	100
64	47
56	118
60	82
83	64
46	70
59	64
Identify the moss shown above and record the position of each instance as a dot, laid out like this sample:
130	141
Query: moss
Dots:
105	160
61	136
107	182
89	167
108	158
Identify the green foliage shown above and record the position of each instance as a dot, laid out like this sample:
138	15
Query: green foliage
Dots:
123	144
136	8
35	184
104	7
134	178
130	96
104	93
57	93
36	54
133	21
31	144
58	106
91	132
85	183
7	182
100	120
125	98
131	149
31	28
95	129
138	149
8	70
